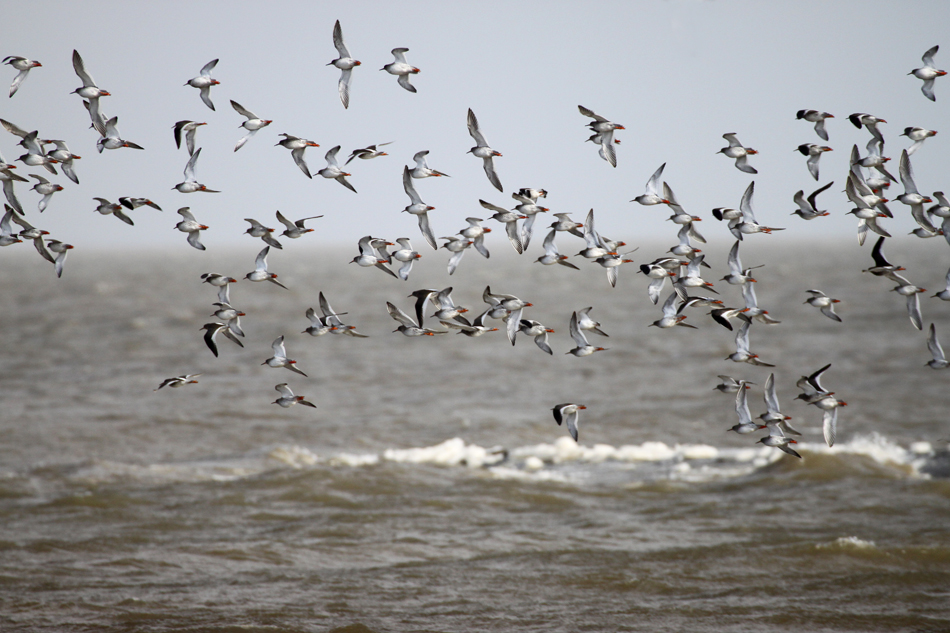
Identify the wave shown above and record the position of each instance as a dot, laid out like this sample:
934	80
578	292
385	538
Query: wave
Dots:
847	543
562	461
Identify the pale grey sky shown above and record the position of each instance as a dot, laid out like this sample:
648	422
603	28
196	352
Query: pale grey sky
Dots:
677	74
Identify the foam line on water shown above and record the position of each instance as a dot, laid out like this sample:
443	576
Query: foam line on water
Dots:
536	462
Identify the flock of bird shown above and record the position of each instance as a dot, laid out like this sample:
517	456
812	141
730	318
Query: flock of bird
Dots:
866	183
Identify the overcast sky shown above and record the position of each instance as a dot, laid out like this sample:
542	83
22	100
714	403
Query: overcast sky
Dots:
677	74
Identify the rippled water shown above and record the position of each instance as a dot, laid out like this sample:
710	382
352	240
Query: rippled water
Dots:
431	490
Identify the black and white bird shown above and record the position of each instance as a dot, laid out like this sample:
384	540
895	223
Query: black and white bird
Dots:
568	413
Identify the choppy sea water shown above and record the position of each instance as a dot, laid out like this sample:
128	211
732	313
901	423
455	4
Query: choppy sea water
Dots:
431	490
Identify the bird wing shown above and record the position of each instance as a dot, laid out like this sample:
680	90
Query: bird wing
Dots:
338	40
207	68
80	69
745	205
474	130
410	188
242	110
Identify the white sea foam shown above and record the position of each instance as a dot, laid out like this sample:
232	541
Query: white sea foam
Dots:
294	456
878	448
507	472
534	463
564	449
453	452
353	460
848	542
538	462
104	471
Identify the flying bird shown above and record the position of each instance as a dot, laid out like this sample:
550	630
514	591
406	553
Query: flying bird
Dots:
651	196
603	134
476	232
483	151
7	177
507	307
212	330
928	73
943	295
109	208
191	226
89	89
808	207
421	170
829	419
818	118
179	381
259	230
869	121
28	232
918	135
583	347
778	439
510	220
672	313
406	255
813	152
474	329
23	65
319	325
35	156
369	256
401	68
296	228
538	331
774	416
939	358
287	398
745	424
367	152
551	255
260	272
222	283
188	129
7	236
881	267
407	326
456	246
110	138
567	413
332	170
742	353
191	184
204	82
728	384
740	153
297	146
333	318
812	391
252	125
46	189
824	303
587	324
912	292
63	157
745	223
911	197
279	359
344	62
737	274
418	208
135	203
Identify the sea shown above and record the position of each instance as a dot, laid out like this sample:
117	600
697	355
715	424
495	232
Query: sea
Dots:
431	488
